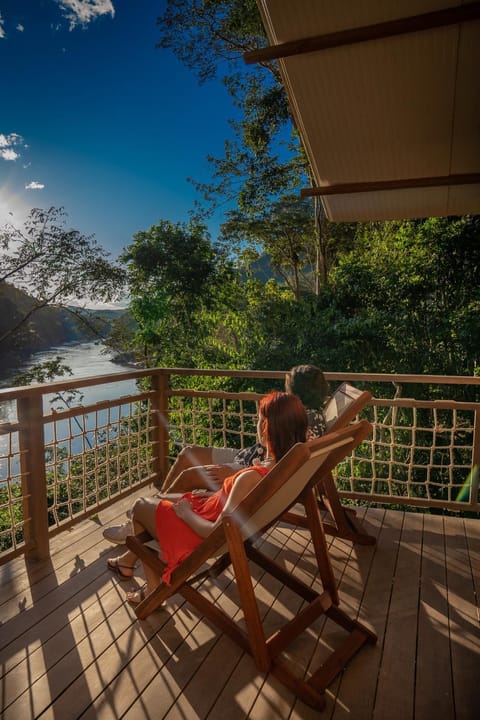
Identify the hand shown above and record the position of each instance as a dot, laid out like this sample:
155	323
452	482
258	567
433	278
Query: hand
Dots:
217	474
182	508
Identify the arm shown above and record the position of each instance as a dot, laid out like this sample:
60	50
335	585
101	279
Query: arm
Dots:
242	486
198	524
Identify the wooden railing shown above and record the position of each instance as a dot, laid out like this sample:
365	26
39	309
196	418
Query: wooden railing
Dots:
60	465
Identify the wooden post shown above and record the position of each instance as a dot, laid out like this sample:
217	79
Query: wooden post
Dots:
160	439
475	459
34	485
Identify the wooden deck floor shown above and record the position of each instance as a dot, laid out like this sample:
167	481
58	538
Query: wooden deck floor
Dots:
71	647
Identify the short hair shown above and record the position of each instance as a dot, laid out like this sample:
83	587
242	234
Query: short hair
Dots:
286	422
308	383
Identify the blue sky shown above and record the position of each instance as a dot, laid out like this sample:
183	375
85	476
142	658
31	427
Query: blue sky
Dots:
97	120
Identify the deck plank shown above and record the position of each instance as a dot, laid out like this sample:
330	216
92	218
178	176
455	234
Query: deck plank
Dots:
71	647
463	620
433	689
397	675
356	693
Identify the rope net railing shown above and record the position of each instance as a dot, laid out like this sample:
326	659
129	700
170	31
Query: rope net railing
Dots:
92	455
224	420
12	497
415	456
420	453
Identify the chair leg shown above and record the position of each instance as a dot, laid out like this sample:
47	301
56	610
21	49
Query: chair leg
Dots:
345	524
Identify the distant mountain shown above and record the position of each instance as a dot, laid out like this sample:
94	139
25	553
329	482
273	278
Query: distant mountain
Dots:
261	269
45	328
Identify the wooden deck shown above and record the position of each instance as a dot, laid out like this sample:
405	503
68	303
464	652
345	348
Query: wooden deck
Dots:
71	647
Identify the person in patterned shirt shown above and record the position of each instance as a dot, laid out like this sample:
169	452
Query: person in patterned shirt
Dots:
308	383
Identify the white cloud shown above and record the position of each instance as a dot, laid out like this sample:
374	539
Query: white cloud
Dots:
7	143
34	185
20	28
2	31
8	154
81	12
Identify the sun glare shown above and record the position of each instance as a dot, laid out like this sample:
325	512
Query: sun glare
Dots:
12	208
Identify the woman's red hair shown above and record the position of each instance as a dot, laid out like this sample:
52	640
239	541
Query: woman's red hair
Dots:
285	420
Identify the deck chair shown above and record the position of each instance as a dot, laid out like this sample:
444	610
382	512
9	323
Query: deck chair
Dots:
292	480
343	407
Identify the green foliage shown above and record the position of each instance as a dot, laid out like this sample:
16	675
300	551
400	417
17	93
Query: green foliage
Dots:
412	285
176	277
401	297
44	372
284	231
201	31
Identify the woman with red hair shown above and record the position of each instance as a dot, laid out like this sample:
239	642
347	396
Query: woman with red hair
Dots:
180	523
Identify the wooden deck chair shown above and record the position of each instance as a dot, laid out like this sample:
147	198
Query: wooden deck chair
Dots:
343	407
292	480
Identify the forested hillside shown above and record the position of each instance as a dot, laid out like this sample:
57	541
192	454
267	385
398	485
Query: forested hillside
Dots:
45	327
399	297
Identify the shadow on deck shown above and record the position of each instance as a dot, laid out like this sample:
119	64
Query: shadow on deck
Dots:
71	647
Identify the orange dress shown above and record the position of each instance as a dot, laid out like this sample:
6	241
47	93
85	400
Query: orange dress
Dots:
177	539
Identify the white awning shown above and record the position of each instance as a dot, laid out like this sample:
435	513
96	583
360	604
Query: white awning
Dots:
386	98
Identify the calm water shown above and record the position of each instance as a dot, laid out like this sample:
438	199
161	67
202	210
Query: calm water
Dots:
85	360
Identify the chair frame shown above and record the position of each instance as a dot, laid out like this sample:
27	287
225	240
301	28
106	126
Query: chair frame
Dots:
306	464
343	522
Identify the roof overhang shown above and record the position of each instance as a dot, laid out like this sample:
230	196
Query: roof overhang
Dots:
386	98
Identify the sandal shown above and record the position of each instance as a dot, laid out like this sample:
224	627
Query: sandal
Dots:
135	597
116	567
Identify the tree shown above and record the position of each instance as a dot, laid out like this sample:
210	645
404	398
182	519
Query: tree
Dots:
174	275
55	265
284	232
407	297
264	161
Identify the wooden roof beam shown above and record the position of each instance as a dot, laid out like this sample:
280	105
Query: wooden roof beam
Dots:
401	184
414	23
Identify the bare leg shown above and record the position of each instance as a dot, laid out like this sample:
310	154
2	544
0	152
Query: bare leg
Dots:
190	456
143	518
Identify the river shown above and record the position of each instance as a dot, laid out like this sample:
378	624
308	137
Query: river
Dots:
84	360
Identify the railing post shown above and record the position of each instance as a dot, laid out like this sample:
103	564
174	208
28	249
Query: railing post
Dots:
475	459
34	485
160	439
